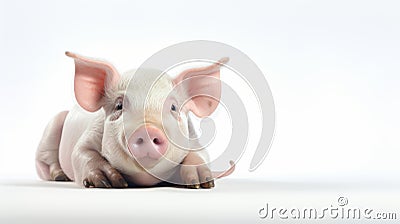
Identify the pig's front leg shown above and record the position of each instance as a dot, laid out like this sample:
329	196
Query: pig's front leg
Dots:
195	173
91	169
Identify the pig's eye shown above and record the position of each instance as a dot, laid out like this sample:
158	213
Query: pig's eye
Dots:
173	107
118	104
117	111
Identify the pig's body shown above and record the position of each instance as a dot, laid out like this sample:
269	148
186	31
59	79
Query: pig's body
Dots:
100	143
77	122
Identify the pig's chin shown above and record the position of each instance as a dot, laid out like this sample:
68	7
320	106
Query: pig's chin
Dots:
147	162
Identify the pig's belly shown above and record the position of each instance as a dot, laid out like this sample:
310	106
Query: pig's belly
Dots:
75	125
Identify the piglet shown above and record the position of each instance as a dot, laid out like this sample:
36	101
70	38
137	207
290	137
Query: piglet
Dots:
131	129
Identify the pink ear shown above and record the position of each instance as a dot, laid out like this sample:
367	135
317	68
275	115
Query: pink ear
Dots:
203	87
91	78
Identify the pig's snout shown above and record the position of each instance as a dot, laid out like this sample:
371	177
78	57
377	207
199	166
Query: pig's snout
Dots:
147	144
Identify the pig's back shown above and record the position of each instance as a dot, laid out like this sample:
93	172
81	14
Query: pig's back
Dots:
76	123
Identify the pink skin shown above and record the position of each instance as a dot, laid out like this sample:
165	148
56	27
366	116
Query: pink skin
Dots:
90	148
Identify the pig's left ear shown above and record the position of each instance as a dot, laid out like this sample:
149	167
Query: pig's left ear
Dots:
91	78
203	86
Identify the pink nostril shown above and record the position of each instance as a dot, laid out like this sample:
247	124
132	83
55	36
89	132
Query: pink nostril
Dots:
139	141
157	141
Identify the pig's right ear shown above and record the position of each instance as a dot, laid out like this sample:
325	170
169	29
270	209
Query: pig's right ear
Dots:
91	78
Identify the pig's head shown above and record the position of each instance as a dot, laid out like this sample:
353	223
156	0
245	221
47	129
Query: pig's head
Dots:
146	133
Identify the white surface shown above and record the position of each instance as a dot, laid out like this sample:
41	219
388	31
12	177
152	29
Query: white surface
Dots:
232	201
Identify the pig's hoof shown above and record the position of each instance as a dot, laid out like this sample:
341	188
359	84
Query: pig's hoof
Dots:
195	185
60	176
209	183
105	179
197	177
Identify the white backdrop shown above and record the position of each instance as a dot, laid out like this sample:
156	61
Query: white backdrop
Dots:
333	68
